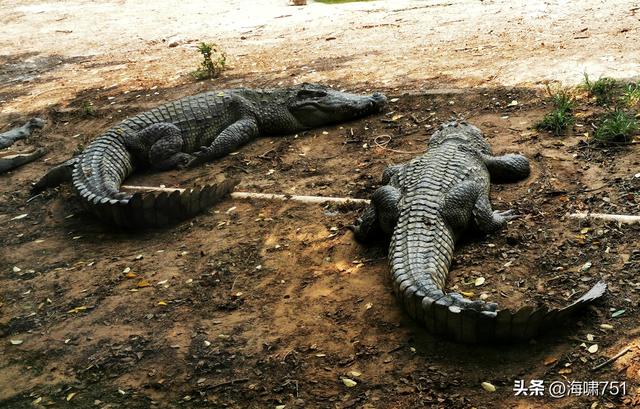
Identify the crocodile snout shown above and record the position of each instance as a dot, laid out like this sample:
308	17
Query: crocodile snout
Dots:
379	99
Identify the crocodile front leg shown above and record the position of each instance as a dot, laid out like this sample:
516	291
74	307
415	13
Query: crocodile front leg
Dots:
234	136
507	168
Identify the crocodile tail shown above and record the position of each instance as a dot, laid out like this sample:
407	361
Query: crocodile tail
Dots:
419	282
103	167
55	176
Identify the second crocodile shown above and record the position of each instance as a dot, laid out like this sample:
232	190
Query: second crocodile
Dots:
425	205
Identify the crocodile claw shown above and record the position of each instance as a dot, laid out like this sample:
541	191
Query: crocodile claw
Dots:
505	215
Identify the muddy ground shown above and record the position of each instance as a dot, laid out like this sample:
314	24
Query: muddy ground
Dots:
258	304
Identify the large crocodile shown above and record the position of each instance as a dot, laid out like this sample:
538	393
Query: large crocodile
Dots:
425	205
188	132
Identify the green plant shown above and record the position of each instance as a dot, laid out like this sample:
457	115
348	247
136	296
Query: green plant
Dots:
631	95
561	118
617	127
213	61
603	89
87	108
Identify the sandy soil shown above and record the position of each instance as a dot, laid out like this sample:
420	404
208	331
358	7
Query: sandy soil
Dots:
258	304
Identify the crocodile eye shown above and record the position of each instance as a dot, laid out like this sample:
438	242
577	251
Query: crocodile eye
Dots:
311	94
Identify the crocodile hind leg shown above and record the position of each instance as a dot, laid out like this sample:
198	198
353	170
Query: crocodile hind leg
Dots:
229	140
160	145
381	215
487	219
507	168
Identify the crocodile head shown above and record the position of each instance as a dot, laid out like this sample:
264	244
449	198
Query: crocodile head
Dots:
460	132
317	105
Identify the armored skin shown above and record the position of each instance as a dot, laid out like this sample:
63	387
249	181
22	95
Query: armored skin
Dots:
188	132
425	206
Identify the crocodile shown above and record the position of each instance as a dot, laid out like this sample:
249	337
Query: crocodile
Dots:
18	159
424	207
188	132
10	137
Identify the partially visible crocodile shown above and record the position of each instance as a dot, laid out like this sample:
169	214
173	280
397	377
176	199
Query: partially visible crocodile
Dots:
425	205
188	132
10	137
18	159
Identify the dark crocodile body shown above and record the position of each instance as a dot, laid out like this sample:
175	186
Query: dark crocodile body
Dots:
425	206
188	132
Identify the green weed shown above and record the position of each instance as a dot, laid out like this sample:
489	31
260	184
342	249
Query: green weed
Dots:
617	127
561	118
213	61
603	89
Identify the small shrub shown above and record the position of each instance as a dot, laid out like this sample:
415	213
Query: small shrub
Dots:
561	118
603	89
213	61
617	127
631	95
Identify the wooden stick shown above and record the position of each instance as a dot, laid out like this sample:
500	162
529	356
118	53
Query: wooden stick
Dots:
612	359
263	196
622	218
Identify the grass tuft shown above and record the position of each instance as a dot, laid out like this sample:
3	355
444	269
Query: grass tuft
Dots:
561	118
617	127
631	95
603	89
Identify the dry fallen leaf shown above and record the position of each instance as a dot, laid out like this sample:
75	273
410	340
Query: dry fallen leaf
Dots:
606	326
143	283
488	387
16	341
479	281
550	360
70	396
349	383
354	374
593	349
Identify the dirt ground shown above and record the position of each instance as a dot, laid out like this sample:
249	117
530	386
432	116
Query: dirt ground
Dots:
257	304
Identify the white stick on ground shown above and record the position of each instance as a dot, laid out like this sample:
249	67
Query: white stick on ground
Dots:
263	196
622	218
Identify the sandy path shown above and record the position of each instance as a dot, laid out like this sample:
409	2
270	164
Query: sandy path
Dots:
52	51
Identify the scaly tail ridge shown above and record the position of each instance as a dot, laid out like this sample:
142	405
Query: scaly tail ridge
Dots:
419	281
103	167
